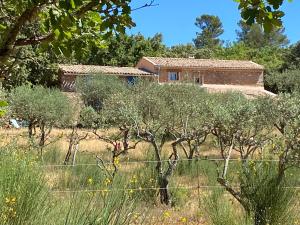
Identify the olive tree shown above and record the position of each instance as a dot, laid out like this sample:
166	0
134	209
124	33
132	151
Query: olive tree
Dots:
40	107
189	124
104	96
286	116
247	127
94	89
160	114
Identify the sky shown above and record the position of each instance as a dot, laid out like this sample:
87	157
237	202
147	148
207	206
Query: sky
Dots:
175	19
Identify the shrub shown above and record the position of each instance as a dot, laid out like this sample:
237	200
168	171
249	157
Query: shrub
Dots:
95	89
287	81
111	206
25	196
268	202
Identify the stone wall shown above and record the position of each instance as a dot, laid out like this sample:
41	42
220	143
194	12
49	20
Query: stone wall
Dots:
230	77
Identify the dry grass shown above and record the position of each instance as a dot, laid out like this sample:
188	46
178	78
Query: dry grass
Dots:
187	213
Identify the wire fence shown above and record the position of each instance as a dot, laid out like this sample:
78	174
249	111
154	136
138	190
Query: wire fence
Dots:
155	161
196	186
209	187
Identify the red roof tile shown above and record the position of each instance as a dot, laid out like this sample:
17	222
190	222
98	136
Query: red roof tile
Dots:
92	69
203	63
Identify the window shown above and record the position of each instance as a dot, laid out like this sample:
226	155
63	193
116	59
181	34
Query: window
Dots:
173	76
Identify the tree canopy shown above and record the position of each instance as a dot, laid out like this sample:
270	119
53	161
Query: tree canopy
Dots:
211	28
58	22
254	36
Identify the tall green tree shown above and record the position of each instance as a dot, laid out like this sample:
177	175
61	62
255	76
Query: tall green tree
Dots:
211	28
254	36
125	50
292	59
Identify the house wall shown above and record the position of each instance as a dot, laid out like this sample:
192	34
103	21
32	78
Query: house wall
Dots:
206	76
233	77
237	77
147	66
67	81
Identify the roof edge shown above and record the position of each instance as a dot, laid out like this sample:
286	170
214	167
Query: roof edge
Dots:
147	58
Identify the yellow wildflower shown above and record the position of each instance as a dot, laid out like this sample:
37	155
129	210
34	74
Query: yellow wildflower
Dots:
10	201
167	214
90	181
183	220
116	161
13	200
107	181
136	216
133	179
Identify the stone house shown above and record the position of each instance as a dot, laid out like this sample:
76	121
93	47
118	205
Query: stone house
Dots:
69	73
204	71
212	74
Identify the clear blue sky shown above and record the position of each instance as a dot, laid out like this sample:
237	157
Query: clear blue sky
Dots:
175	19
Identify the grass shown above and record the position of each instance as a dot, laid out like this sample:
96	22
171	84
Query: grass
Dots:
30	189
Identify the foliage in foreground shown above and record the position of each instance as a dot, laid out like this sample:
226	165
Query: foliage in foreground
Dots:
25	198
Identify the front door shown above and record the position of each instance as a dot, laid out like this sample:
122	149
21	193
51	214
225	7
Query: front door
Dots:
198	79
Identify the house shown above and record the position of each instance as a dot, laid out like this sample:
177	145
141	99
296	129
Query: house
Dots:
69	73
212	74
204	71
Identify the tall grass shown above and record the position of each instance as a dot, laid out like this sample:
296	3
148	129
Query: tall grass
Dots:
221	210
26	198
267	200
23	194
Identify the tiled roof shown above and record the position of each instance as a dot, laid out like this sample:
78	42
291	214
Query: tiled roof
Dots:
92	69
203	63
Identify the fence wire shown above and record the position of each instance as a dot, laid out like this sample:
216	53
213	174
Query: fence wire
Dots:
197	187
155	161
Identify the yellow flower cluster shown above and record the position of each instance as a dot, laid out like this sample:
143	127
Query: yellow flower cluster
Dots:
104	192
90	181
9	211
10	201
117	161
107	181
133	180
183	220
166	214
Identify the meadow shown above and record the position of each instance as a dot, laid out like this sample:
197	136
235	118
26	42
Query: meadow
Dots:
46	191
149	154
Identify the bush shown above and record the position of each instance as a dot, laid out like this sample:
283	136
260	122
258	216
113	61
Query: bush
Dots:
25	196
95	89
268	201
287	81
111	206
